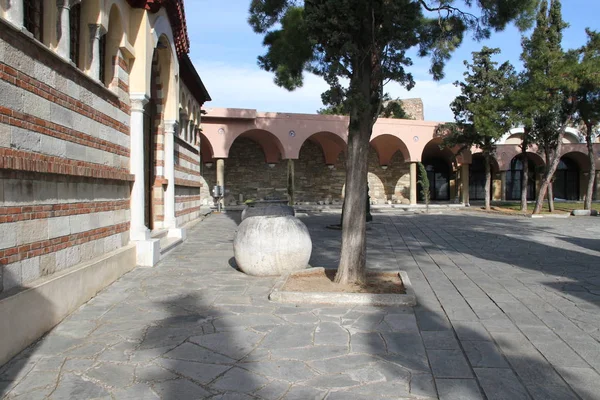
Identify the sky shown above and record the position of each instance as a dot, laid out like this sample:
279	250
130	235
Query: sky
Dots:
224	50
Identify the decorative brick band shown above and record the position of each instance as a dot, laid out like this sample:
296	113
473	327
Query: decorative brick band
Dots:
186	199
25	213
187	183
32	85
121	62
183	156
36	249
186	145
29	122
123	86
187	211
187	170
35	162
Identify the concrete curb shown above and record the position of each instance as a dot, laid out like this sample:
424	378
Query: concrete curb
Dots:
400	300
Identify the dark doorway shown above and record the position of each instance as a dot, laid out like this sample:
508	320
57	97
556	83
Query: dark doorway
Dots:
149	144
514	177
438	173
477	178
566	180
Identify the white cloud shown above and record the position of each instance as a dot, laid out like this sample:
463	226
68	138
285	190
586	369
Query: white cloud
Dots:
246	86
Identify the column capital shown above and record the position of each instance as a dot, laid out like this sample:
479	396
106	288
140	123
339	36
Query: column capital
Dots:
138	101
96	31
170	126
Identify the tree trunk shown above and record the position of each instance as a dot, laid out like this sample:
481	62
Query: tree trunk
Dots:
525	178
555	159
353	259
550	185
592	176
488	181
354	245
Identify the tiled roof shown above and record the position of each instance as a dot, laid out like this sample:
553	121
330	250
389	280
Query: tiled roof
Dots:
176	13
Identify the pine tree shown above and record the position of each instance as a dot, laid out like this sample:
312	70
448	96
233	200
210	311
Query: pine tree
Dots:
588	102
482	110
365	43
550	82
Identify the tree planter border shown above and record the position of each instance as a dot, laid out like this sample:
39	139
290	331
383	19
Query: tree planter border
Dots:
409	299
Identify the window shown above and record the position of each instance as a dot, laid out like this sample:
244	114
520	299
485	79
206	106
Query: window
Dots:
33	17
74	27
102	59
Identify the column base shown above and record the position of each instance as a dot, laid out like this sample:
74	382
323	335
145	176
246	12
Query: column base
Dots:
180	233
140	234
147	252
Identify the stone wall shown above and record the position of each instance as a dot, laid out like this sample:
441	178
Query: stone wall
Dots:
414	108
247	174
64	163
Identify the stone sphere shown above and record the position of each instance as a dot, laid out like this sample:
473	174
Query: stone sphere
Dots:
272	245
279	210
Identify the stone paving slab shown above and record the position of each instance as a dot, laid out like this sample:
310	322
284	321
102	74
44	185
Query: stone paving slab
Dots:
508	308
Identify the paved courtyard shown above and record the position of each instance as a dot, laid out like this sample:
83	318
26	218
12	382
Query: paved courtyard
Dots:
508	308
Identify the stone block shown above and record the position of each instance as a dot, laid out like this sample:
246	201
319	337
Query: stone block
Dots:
8	235
18	192
61	116
11	96
23	139
5	135
36	106
32	231
53	146
147	252
30	269
73	256
12	276
47	264
45	191
67	192
76	151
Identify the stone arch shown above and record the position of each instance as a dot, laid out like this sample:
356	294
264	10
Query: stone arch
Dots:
331	145
271	145
114	37
514	136
167	63
387	145
439	163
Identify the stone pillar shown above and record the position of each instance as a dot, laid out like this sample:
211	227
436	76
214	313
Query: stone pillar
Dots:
221	177
139	231
184	125
413	183
170	222
464	178
96	32
291	183
503	185
15	13
64	28
597	187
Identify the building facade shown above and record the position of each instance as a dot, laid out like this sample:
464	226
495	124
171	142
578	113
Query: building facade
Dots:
99	151
258	155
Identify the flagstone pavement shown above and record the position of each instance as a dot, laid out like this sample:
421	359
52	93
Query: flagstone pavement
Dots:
508	308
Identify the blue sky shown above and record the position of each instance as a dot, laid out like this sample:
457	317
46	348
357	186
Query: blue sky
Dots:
224	51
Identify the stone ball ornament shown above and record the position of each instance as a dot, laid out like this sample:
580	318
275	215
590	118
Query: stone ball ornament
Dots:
272	245
268	210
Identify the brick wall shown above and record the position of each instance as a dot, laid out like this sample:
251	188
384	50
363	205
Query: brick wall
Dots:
247	173
64	163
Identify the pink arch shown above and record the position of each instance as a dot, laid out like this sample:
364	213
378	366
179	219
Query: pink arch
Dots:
387	145
331	145
271	145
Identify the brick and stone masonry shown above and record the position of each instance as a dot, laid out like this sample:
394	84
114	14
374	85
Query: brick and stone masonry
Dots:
247	174
64	163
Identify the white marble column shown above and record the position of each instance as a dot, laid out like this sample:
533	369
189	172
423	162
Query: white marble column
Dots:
139	231
170	128
413	183
64	28
183	121
464	178
221	178
96	32
15	13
